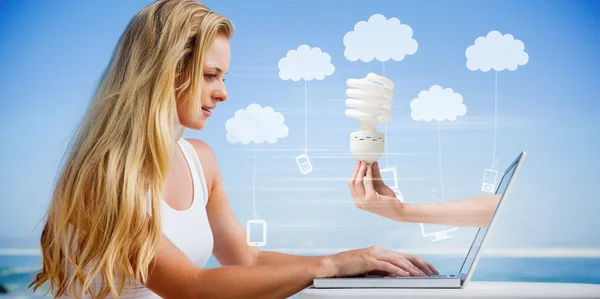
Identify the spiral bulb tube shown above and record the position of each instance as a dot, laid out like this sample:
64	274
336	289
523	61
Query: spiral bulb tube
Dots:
370	101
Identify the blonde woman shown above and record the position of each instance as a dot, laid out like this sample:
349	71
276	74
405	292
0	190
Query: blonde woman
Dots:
138	210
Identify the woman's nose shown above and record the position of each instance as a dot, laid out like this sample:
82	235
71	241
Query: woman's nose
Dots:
220	94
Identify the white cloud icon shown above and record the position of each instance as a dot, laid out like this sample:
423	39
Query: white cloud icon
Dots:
256	124
437	103
496	51
379	38
305	63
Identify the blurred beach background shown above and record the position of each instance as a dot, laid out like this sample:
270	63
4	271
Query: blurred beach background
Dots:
53	52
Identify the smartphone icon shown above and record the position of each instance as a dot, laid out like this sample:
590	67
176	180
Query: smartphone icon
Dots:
256	232
304	164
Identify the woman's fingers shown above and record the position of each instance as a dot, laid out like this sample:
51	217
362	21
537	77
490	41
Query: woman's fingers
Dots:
405	264
359	186
424	267
410	267
421	264
389	268
376	173
355	171
435	271
370	190
352	180
362	171
399	260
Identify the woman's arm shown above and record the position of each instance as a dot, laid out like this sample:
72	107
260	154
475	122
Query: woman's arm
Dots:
471	212
278	258
229	236
173	275
370	194
250	273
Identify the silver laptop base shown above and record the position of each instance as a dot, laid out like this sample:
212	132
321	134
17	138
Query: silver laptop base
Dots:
387	282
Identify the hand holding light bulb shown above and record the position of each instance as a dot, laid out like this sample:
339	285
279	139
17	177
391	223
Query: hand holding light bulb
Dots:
370	101
371	194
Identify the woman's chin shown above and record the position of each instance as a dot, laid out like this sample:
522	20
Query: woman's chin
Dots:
196	125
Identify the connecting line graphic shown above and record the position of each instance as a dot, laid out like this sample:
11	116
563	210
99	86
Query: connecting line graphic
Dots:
254	180
305	118
386	125
257	219
441	234
303	161
494	160
440	161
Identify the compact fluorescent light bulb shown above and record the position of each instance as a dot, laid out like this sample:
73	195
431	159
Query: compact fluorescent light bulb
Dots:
370	101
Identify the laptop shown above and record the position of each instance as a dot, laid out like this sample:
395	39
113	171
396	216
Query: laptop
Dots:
458	280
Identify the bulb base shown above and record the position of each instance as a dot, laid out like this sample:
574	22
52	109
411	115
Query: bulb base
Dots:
367	146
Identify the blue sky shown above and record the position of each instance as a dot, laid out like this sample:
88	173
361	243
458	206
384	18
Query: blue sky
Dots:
51	56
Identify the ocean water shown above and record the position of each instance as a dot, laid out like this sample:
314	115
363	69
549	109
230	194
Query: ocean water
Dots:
16	272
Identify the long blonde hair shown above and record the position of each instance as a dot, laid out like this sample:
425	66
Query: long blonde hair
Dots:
98	222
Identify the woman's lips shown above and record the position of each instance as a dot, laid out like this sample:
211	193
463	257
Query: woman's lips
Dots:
206	112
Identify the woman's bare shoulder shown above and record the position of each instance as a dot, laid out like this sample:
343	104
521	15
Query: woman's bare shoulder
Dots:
201	147
207	158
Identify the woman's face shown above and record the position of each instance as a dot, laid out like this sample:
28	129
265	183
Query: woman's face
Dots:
216	65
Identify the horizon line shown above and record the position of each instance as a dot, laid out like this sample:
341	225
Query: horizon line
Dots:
494	252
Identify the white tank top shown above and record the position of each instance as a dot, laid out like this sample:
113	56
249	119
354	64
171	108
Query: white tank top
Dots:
189	230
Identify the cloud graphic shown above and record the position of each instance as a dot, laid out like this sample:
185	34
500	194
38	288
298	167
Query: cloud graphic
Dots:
437	103
379	38
496	51
305	63
256	124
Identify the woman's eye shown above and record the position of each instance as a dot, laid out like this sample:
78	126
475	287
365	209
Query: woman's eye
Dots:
210	76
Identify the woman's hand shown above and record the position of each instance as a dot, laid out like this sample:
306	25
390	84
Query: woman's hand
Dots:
371	194
378	260
378	184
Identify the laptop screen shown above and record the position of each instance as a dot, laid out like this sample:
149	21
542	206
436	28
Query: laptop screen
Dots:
468	263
